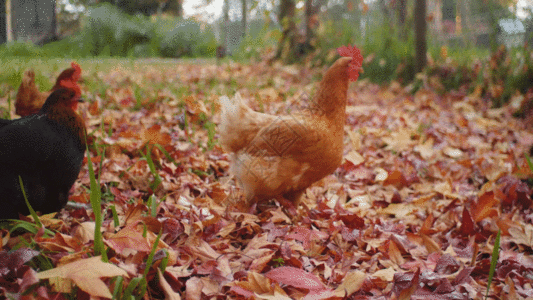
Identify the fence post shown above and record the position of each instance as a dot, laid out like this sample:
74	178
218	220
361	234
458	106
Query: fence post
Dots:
9	24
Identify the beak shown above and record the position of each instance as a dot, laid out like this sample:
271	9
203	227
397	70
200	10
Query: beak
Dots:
81	100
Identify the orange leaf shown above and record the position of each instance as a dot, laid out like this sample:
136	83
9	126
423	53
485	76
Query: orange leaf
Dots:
484	206
153	135
395	178
394	253
130	237
428	223
430	244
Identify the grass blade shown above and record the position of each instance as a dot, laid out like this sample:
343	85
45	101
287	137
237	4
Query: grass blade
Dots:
153	170
493	261
32	212
529	163
96	200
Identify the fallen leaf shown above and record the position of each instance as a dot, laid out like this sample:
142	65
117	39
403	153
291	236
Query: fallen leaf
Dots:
351	283
355	158
296	277
86	273
167	289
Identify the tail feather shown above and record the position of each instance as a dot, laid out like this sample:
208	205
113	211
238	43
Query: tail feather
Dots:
29	77
239	124
231	110
231	107
228	108
28	98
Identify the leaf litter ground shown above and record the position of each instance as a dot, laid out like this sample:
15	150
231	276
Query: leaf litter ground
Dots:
426	183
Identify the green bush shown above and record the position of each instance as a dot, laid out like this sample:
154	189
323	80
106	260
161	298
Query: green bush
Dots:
109	32
260	37
388	57
20	49
184	38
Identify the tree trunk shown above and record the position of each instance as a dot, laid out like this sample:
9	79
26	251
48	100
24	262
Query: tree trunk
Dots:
225	25
309	33
402	12
493	20
386	13
420	35
9	22
3	23
244	13
54	32
287	44
311	23
175	7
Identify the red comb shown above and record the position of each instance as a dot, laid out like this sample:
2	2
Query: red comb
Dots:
77	71
355	65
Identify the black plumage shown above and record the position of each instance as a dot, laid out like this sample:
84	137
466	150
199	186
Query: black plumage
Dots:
46	150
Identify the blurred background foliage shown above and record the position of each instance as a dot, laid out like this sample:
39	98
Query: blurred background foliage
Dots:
470	46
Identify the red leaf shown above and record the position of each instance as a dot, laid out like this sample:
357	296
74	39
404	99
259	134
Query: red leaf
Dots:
463	276
412	286
241	291
297	278
467	224
13	260
352	220
446	265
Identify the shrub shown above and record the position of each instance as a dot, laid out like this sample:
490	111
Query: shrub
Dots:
184	38
107	31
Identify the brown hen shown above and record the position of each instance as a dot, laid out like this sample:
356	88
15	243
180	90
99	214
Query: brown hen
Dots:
29	99
281	156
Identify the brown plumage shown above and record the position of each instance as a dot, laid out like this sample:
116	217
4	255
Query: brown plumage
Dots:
29	99
281	156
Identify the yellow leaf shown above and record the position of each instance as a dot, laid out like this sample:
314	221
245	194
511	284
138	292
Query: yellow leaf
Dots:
425	149
276	296
444	52
381	174
399	140
399	210
385	274
445	189
452	152
356	139
355	158
352	283
86	273
431	245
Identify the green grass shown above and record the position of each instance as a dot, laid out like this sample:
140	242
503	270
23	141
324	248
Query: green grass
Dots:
96	200
493	261
47	69
32	212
